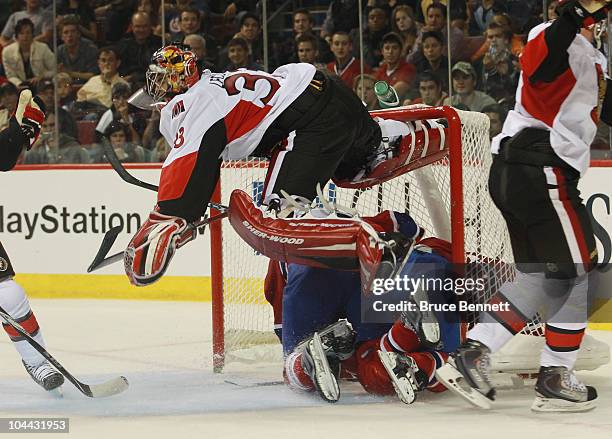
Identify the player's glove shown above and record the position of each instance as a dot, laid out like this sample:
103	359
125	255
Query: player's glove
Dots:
585	13
149	252
30	114
407	226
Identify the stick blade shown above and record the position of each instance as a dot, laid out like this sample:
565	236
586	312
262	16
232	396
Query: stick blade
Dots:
108	388
107	242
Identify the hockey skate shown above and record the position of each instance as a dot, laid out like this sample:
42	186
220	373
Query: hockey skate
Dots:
337	339
45	375
395	255
467	374
317	367
559	390
404	374
422	321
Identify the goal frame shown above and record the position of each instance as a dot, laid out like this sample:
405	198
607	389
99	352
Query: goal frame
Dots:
453	151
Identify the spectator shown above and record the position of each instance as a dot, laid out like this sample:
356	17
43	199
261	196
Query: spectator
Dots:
377	27
499	68
286	51
249	31
190	22
307	50
65	92
42	21
98	89
364	88
436	21
77	56
404	24
484	13
46	91
394	70
346	66
117	15
433	59
430	90
464	89
85	17
118	134
238	54
136	49
9	94
152	8
51	148
161	150
134	119
197	43
341	16
552	10
27	61
497	116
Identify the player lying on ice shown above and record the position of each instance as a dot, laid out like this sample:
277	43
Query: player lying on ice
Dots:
386	356
311	125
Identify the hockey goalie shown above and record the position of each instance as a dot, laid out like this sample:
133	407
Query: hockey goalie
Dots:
311	126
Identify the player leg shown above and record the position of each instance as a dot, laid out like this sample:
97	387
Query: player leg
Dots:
314	341
15	302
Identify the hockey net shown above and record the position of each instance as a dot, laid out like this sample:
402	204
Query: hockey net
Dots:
449	198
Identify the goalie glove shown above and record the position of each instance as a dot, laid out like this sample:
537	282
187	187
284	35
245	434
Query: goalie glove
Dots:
149	252
30	114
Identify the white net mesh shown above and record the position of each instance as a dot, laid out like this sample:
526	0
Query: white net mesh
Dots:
424	193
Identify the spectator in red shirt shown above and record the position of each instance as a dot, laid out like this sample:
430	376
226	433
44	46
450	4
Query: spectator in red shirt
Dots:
394	70
345	65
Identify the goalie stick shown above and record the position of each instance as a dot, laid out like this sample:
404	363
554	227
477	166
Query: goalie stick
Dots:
107	388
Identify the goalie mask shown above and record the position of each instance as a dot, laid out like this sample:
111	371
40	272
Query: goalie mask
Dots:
148	254
173	70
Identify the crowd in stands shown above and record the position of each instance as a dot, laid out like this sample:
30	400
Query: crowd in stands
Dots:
102	49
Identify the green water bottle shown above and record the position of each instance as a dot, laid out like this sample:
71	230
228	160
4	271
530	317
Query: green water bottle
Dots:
387	96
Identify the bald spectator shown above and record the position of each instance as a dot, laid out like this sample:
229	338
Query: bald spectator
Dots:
42	21
27	61
98	89
197	43
77	56
137	47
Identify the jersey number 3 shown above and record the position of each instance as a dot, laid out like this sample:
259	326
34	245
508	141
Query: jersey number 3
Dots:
180	138
249	83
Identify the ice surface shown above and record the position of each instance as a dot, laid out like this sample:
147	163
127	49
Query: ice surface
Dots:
164	349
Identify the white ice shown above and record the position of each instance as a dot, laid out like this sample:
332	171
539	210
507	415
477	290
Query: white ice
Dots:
164	349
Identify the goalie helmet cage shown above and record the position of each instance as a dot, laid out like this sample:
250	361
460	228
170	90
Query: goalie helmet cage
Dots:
448	197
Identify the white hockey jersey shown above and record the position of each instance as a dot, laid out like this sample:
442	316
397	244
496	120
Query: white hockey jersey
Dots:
561	89
223	116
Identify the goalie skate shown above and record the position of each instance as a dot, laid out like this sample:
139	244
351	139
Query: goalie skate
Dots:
559	390
402	371
316	366
337	339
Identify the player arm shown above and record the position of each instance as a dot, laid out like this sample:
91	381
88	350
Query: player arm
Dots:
187	183
545	57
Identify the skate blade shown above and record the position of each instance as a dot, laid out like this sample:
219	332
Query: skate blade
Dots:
405	389
325	381
431	331
456	383
557	405
57	392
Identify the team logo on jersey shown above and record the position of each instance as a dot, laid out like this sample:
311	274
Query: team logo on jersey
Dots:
3	264
178	108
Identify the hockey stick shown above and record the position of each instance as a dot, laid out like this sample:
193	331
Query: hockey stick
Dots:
101	260
123	173
107	388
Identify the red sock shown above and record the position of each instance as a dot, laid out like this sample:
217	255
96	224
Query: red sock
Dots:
370	371
294	374
399	339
